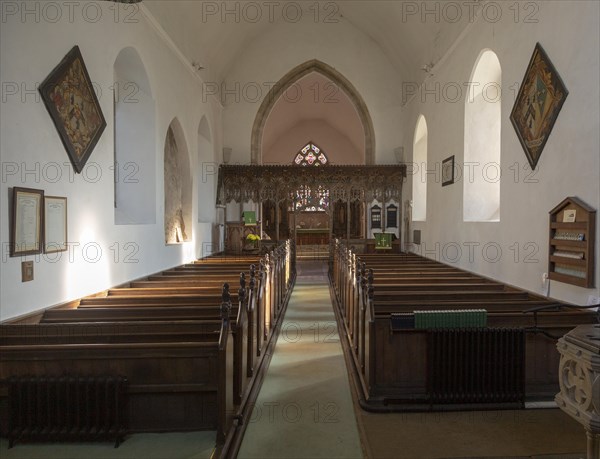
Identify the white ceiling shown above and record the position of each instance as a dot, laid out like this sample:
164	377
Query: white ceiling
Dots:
408	39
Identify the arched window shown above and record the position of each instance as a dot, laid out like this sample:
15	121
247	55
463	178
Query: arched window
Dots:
135	148
311	155
178	186
483	115
306	199
419	187
207	174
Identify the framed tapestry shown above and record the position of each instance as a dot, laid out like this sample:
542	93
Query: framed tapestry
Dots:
73	106
540	98
448	171
26	226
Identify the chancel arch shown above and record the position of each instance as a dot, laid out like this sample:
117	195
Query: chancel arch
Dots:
134	141
483	123
313	92
177	186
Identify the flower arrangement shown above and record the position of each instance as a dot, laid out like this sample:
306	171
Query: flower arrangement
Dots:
252	242
253	238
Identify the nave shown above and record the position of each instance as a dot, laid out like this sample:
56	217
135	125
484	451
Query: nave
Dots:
305	409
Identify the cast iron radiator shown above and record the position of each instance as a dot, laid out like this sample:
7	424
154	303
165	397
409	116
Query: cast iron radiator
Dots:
485	365
66	408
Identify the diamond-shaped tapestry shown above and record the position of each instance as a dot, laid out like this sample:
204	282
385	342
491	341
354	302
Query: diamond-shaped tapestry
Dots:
538	104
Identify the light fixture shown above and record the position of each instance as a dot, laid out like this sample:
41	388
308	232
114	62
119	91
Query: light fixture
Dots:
427	68
197	66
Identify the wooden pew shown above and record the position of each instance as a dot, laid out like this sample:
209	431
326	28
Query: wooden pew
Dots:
179	307
144	306
262	313
180	373
392	364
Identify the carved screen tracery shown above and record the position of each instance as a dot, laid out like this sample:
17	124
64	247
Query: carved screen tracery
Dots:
312	199
281	183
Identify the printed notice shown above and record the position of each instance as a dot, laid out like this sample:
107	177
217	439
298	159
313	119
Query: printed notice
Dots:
27	224
569	216
55	224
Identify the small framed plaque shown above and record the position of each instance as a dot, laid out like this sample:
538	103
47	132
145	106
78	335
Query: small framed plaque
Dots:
448	171
26	229
55	224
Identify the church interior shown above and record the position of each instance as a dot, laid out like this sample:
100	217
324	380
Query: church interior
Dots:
297	229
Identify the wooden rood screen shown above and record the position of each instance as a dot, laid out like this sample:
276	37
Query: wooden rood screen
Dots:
190	342
423	335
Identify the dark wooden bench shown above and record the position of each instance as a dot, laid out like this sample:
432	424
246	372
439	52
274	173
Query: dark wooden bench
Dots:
144	306
168	325
392	363
180	374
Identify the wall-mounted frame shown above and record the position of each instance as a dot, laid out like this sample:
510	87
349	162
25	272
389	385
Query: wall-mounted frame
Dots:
55	224
572	243
26	227
540	98
391	217
376	217
69	96
448	171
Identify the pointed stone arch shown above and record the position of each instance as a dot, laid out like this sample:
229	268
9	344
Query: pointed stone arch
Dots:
291	78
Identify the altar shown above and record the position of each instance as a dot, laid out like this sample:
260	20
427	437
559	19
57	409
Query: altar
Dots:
312	227
312	236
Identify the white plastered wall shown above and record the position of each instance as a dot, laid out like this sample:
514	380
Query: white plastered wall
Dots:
514	250
102	254
266	59
336	144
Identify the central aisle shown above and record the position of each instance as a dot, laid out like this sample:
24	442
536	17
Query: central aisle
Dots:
304	409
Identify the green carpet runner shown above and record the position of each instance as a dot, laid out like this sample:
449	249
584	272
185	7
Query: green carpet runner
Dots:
304	409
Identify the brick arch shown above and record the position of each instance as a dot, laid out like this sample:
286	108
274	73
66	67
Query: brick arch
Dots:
291	78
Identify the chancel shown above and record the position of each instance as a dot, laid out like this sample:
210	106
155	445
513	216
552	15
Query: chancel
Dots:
358	229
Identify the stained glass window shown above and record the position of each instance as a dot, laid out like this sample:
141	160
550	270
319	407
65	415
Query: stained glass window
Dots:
311	155
307	199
